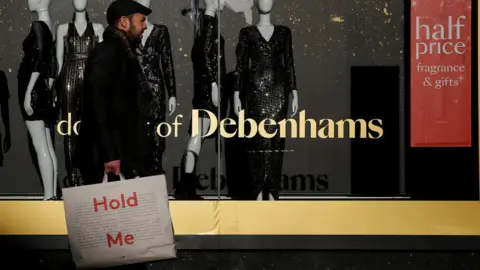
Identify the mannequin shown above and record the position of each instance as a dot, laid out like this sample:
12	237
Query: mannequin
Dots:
155	57
266	75
35	78
207	91
5	112
74	41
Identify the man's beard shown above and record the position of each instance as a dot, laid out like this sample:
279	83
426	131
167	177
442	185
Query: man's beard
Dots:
132	37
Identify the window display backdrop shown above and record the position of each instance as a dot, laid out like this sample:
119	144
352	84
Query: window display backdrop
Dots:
18	174
329	38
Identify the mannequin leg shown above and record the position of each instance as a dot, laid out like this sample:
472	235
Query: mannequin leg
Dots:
39	136
51	149
195	145
188	186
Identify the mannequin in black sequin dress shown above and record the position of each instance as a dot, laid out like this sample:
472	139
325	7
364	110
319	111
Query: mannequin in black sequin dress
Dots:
73	47
35	78
266	76
208	82
155	57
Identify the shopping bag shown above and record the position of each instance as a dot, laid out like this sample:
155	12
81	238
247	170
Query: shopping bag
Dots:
119	223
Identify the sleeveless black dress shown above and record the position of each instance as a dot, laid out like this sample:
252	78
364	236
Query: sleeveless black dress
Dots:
70	86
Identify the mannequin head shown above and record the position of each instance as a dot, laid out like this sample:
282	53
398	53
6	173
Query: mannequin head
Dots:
80	5
264	6
38	5
214	4
146	3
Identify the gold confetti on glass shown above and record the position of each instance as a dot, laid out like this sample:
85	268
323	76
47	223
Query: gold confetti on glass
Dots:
336	19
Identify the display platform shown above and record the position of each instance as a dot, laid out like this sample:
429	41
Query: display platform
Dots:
350	225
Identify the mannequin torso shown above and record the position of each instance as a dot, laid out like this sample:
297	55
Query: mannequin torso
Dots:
80	24
172	101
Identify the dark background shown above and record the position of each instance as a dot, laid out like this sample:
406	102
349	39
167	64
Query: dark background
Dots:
329	36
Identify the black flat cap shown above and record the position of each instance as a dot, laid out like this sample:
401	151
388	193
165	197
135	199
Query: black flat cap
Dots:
121	8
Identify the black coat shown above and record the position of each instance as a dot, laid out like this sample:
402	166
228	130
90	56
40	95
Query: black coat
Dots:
111	116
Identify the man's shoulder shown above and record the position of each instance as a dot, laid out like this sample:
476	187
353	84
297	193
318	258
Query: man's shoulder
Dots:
105	48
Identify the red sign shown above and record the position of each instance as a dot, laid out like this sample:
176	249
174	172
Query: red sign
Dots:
440	73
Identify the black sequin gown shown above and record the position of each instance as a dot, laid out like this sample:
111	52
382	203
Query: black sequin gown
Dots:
205	65
39	56
157	64
70	86
266	76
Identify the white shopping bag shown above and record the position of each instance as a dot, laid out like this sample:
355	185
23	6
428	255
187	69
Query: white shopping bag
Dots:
119	223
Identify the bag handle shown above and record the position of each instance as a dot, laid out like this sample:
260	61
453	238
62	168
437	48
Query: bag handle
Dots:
105	177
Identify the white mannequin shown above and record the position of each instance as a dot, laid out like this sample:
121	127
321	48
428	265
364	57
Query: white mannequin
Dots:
172	101
41	136
266	29
80	23
195	142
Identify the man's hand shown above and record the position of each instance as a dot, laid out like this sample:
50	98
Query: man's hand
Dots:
113	167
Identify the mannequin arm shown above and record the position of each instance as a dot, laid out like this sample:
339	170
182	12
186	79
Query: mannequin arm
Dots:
60	46
103	67
294	103
289	63
167	63
209	36
27	103
242	54
290	70
53	68
99	29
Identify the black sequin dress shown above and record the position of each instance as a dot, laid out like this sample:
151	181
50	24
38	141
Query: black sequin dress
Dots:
157	64
266	76
70	84
39	56
205	65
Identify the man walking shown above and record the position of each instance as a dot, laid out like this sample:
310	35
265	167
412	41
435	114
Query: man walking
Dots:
116	96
